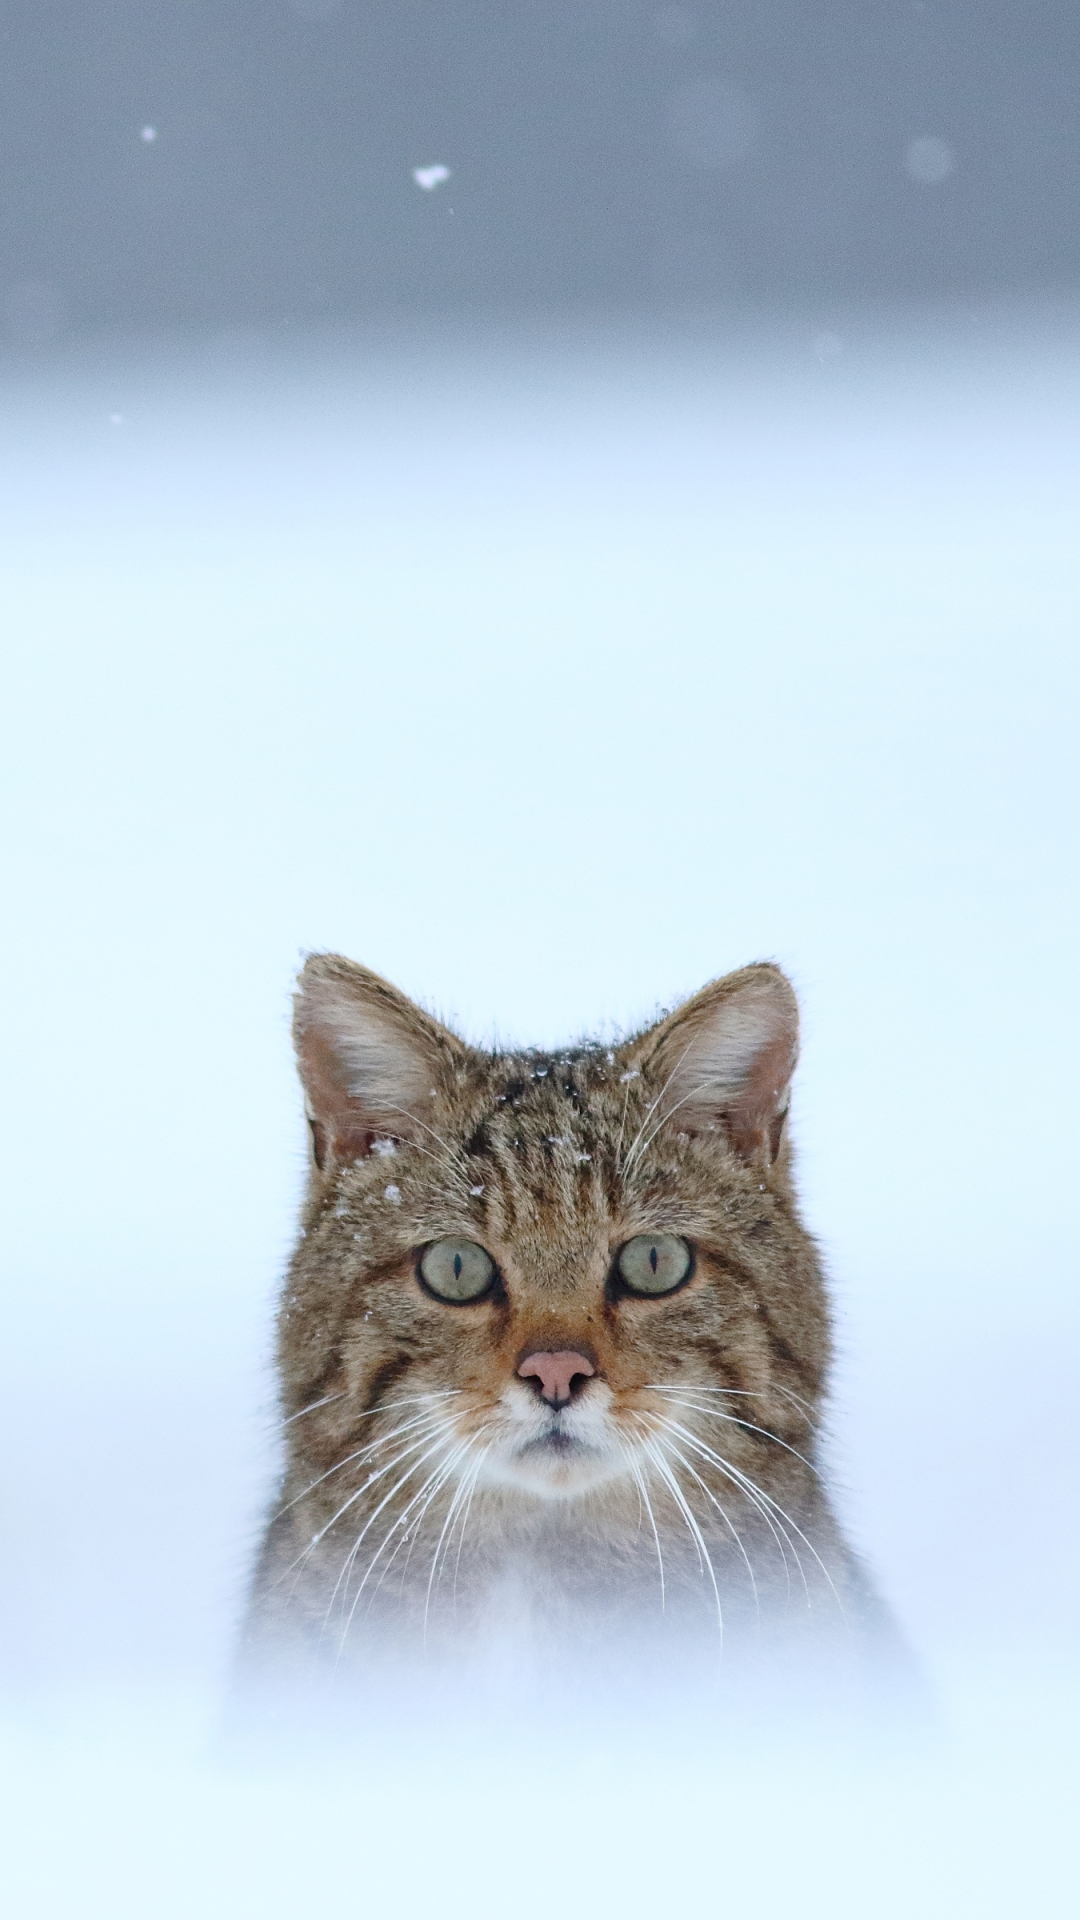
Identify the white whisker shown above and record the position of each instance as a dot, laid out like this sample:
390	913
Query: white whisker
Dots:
643	1495
622	1125
361	1453
411	1528
379	1474
704	1559
467	1487
728	1522
383	1504
801	1406
314	1407
759	1493
651	1108
458	1497
468	1509
408	1528
665	1117
746	1488
739	1393
680	1394
451	1157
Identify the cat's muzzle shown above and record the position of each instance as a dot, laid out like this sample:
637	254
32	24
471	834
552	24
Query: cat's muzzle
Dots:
556	1450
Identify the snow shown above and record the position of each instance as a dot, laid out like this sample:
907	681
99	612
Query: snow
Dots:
929	160
777	651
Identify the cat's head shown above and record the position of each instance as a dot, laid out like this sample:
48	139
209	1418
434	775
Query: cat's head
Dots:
534	1262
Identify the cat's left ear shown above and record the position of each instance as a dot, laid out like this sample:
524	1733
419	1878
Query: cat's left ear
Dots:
726	1057
369	1059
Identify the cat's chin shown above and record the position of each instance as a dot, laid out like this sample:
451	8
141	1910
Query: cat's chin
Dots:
555	1466
556	1455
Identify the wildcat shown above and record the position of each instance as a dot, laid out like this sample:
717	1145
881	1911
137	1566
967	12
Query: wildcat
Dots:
554	1340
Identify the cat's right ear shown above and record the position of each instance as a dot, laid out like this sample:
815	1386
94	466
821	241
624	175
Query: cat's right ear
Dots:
726	1057
370	1060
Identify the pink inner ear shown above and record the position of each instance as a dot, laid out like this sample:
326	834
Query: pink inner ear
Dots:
337	1120
755	1118
731	1054
347	1142
369	1059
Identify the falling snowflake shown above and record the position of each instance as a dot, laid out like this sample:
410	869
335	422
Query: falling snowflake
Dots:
430	177
929	160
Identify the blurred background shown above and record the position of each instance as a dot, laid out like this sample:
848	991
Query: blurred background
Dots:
178	163
555	502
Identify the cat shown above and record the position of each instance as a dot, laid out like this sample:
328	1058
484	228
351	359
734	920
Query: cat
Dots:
554	1340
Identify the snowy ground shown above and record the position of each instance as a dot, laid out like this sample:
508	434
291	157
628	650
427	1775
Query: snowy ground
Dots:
550	677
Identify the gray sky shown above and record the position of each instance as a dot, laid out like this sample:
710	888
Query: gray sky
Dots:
176	162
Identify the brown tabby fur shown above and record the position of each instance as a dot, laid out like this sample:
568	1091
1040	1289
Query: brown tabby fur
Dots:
551	1161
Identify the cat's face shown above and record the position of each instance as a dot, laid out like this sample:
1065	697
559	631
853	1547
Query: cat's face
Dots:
549	1274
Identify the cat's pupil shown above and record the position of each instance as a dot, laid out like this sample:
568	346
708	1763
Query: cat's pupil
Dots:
652	1258
457	1266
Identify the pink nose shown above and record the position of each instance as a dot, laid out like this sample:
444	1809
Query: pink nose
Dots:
556	1373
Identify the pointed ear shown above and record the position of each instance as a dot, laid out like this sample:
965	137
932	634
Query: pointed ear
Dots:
726	1059
369	1059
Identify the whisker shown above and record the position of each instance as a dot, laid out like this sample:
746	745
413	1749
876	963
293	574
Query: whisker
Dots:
409	1529
411	1533
314	1407
745	1487
622	1125
643	1495
468	1509
741	1393
458	1497
414	1399
640	1507
361	1453
679	1393
760	1492
802	1406
379	1474
345	1572
468	1488
651	1108
697	1536
440	1475
729	1523
451	1157
701	1087
383	1503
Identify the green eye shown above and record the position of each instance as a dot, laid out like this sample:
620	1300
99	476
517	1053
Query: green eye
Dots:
457	1270
654	1263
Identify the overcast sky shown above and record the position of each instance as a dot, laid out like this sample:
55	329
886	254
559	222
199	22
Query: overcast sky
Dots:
174	162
